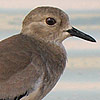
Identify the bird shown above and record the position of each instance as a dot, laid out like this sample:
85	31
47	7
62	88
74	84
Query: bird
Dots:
32	61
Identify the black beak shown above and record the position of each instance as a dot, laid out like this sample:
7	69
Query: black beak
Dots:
77	33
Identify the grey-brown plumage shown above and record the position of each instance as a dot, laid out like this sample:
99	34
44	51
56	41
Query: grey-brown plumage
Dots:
32	62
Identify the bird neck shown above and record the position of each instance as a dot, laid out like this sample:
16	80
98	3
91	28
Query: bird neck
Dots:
54	55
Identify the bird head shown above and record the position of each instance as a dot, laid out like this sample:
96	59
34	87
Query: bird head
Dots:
50	24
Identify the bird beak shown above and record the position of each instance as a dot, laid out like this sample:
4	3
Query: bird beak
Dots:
77	33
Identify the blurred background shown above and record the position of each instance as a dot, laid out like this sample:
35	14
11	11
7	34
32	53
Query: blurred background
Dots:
81	78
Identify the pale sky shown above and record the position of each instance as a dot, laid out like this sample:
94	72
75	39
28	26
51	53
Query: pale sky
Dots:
63	4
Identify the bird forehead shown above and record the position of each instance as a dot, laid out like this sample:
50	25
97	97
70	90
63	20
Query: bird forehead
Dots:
48	11
41	13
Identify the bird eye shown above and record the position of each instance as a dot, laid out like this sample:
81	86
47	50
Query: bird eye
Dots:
50	21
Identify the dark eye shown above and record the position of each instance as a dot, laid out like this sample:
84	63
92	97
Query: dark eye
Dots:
50	21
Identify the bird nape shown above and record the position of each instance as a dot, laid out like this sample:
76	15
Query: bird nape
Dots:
32	62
